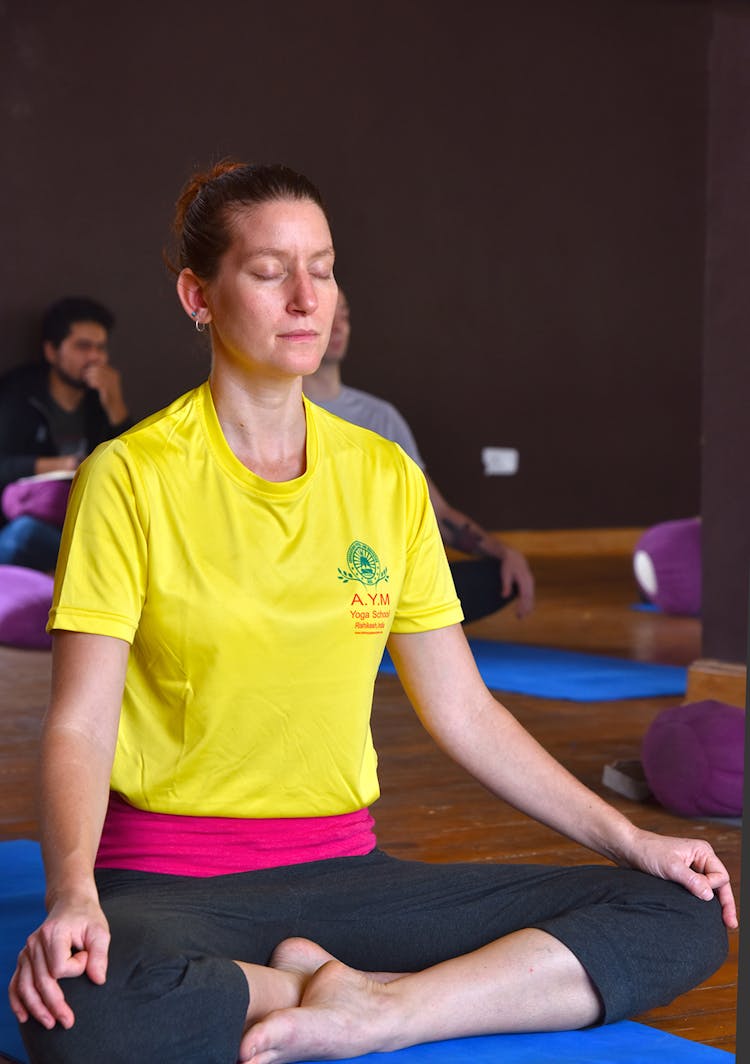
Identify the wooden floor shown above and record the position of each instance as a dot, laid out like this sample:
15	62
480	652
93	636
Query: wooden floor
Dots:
429	808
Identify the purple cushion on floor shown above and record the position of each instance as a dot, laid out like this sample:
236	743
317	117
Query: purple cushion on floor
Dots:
667	566
25	600
693	758
45	499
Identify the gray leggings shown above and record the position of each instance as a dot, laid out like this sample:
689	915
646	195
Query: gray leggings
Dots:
173	995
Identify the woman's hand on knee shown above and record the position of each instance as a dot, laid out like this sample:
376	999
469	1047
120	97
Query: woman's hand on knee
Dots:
73	940
690	862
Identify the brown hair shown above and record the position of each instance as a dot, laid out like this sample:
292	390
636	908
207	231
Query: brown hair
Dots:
202	222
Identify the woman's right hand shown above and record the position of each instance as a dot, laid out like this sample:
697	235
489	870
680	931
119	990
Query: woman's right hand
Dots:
73	940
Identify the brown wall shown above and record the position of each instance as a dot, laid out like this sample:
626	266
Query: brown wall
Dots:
726	366
517	191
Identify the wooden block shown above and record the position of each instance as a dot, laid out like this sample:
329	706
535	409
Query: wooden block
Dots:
626	777
724	681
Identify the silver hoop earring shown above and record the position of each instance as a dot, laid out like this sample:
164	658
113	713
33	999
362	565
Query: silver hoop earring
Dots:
200	326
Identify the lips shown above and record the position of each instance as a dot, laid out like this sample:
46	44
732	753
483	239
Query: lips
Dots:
299	334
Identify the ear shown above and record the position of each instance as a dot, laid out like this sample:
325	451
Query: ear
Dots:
190	290
50	352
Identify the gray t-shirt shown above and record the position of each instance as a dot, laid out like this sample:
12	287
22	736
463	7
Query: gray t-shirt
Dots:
369	412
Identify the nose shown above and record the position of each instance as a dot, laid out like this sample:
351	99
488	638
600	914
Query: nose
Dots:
303	299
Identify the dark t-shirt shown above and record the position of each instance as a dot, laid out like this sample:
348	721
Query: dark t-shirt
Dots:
67	429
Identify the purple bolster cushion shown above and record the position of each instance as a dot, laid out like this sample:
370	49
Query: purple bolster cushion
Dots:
45	499
25	600
667	566
693	757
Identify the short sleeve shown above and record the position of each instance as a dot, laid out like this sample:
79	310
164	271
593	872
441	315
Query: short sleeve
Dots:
428	598
100	582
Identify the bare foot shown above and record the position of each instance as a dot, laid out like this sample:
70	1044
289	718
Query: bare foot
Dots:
343	1013
281	983
302	955
299	955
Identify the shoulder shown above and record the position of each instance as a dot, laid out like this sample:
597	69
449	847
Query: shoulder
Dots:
332	423
151	442
372	412
130	472
172	422
372	452
369	404
341	424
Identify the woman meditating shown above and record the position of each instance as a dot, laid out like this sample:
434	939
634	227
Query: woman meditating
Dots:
231	570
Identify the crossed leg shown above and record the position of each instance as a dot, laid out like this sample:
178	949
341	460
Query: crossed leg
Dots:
525	981
642	940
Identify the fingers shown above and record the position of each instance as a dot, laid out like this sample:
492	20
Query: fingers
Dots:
57	950
16	1004
525	602
705	886
98	375
525	582
34	991
97	955
103	378
728	906
507	576
696	883
718	879
701	872
515	572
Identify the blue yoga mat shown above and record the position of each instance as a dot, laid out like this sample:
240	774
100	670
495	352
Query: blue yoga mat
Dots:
618	1043
22	909
566	674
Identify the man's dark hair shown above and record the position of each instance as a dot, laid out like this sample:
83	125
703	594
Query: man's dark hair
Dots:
60	316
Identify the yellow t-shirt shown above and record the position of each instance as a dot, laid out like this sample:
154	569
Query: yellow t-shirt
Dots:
257	611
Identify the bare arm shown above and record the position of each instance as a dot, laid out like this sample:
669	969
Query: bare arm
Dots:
77	750
459	531
441	679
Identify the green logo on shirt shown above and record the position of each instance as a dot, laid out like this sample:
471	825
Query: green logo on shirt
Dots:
364	566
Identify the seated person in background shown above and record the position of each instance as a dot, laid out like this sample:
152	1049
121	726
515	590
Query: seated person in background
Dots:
483	586
53	413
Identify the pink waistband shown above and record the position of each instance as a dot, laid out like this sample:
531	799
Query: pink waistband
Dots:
216	846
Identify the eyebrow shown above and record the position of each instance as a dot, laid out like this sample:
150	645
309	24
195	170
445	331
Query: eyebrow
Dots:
283	253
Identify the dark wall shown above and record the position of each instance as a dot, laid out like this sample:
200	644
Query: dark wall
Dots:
517	192
726	367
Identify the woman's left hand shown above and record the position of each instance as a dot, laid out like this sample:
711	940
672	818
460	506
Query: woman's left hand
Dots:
691	862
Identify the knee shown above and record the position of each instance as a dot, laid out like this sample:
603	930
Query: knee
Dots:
170	1006
694	934
709	930
105	1025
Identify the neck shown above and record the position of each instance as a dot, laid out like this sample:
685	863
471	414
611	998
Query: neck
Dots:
67	396
264	425
325	383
